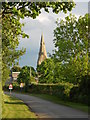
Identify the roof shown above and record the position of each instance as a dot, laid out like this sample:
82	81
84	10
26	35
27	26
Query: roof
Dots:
15	74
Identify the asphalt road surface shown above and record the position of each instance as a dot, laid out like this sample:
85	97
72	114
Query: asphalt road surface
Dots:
46	109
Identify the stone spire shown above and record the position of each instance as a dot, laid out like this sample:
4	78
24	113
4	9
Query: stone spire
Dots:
42	51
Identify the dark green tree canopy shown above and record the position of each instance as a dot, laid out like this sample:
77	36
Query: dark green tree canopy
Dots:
12	12
15	69
33	72
33	9
24	75
71	43
46	71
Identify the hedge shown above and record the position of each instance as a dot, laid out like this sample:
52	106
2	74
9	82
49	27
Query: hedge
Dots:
63	91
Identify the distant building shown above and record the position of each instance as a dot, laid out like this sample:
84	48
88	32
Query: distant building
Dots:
14	76
42	52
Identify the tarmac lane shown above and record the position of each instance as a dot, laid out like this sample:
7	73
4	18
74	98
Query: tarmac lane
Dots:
46	109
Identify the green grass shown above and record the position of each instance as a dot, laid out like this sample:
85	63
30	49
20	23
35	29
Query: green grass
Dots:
57	100
14	108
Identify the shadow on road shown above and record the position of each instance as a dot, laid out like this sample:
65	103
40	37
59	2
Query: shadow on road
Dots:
20	103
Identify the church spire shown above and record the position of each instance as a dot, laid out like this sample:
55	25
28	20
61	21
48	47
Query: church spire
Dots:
42	51
42	38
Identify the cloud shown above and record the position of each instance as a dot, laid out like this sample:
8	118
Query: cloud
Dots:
81	0
43	18
45	23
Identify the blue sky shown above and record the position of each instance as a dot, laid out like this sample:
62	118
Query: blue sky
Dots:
44	23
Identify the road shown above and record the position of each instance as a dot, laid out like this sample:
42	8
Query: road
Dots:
46	109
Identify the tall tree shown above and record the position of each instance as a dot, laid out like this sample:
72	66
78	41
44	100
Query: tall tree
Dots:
71	42
33	72
46	71
33	9
12	12
24	76
15	69
11	29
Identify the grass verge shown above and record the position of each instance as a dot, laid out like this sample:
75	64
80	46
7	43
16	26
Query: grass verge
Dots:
57	100
14	108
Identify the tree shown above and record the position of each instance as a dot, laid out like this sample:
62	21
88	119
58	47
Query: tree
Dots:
46	71
11	30
71	43
15	69
33	9
33	72
24	76
58	77
6	73
12	12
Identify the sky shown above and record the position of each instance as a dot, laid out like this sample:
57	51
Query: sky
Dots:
44	23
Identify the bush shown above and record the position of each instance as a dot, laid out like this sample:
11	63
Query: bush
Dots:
56	90
73	92
64	91
77	96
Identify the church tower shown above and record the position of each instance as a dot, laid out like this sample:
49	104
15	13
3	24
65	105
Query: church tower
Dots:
42	52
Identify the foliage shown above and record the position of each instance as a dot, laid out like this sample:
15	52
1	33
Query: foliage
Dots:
11	29
6	73
58	78
11	14
32	79
57	100
71	43
15	69
46	71
81	92
24	75
64	91
33	9
61	90
77	95
33	72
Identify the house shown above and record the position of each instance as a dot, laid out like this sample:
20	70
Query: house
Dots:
14	76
